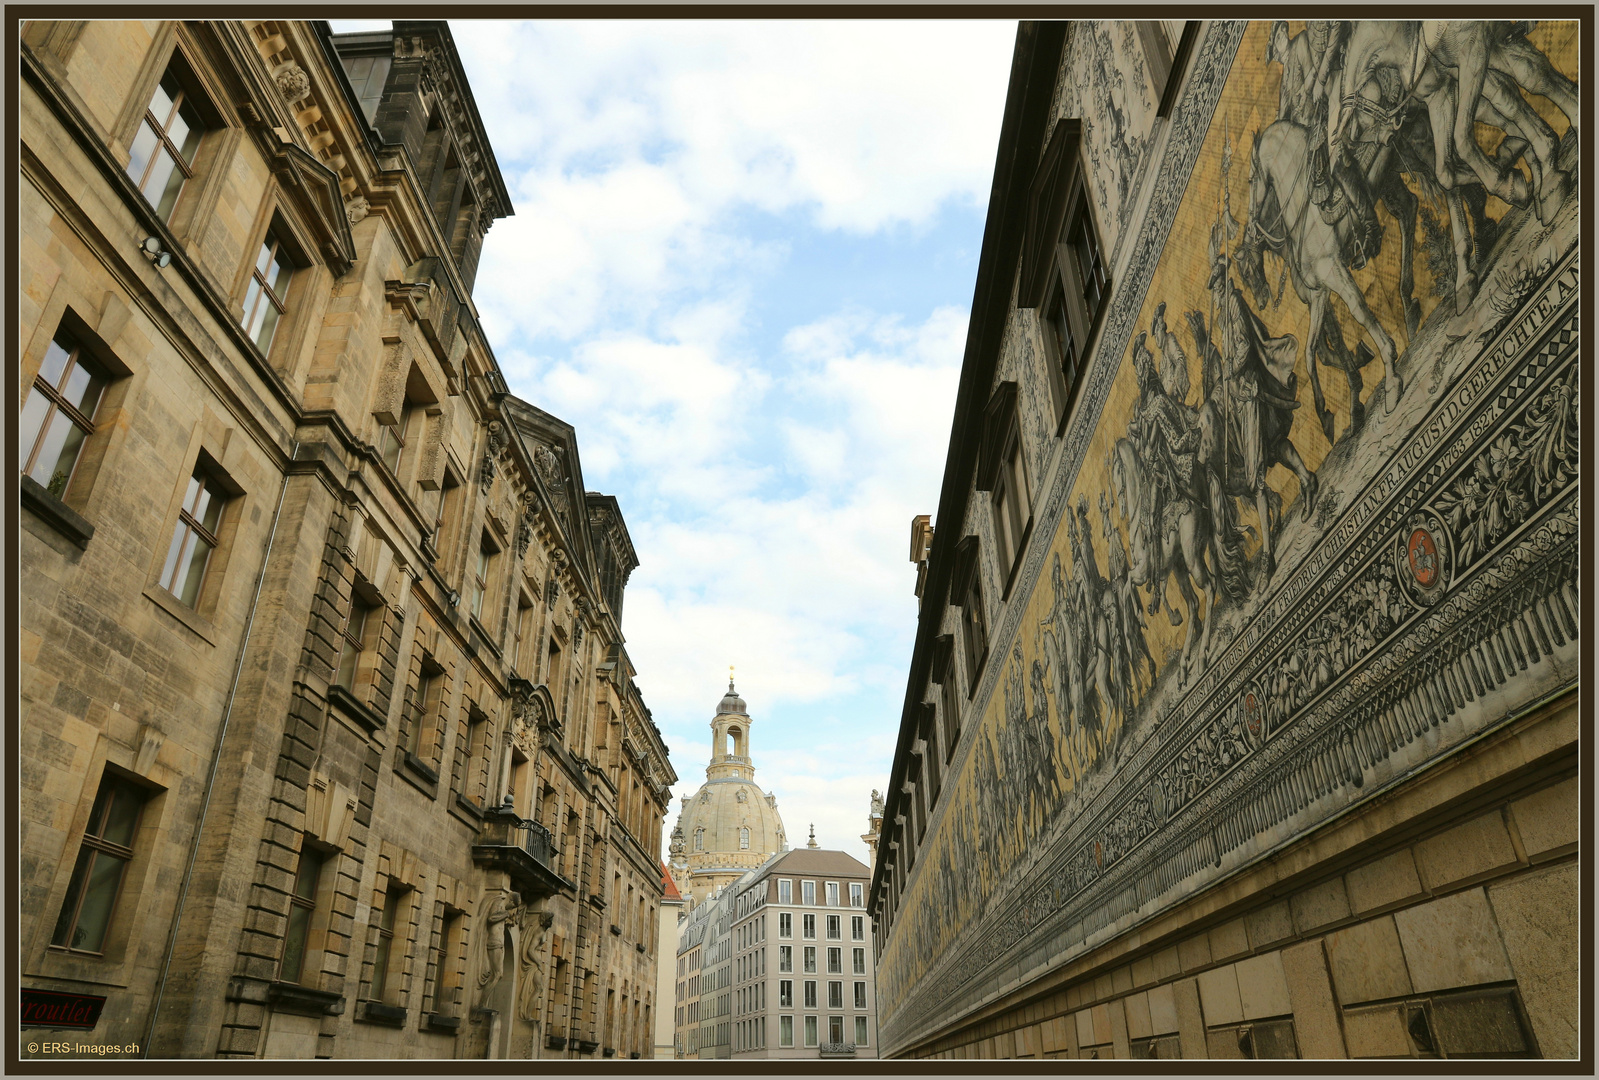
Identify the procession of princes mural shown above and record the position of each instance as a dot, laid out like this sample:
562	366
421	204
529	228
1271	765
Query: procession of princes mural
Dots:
1371	203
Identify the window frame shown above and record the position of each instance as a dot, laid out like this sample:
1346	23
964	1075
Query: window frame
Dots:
220	494
835	960
785	891
785	958
57	403
160	128
308	902
809	960
808	927
92	847
858	961
857	895
273	294
383	971
835	928
966	592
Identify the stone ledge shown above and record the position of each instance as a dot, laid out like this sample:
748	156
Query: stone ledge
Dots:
376	1012
55	513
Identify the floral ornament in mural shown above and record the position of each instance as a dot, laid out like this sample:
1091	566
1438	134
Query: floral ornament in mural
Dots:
1519	471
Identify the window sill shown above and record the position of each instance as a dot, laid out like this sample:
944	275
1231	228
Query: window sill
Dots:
419	774
183	613
355	707
484	635
376	1012
55	513
468	811
292	997
446	1025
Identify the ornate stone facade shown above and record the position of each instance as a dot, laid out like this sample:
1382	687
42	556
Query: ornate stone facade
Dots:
1209	647
320	674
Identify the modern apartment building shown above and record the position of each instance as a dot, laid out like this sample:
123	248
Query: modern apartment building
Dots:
802	959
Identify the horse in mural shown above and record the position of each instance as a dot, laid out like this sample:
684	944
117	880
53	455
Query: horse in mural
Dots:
1284	220
1462	72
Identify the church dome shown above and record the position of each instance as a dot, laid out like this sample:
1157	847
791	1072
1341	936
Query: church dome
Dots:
731	703
728	826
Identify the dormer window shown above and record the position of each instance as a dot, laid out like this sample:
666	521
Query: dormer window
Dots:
1064	277
1002	471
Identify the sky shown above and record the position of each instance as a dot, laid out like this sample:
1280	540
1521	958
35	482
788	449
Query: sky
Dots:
741	266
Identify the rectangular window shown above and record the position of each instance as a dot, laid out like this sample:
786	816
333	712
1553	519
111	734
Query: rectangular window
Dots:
444	974
835	930
860	961
832	894
810	927
267	295
835	994
302	905
810	1031
785	925
785	994
785	1031
478	582
860	1031
59	414
162	158
421	708
857	928
194	538
860	995
810	958
857	894
835	961
785	891
810	993
385	945
359	631
1084	243
785	958
103	860
835	1028
808	893
392	437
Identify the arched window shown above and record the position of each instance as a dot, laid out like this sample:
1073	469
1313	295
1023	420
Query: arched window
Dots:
699	839
744	839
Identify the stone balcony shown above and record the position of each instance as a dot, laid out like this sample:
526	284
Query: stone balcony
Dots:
525	850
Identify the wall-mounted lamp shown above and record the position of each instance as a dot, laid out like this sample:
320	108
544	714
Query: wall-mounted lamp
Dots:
155	252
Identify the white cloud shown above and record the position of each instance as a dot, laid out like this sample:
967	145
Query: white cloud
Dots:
628	144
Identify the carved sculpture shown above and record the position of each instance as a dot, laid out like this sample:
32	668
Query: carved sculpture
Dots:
293	83
877	804
356	209
535	931
502	906
491	451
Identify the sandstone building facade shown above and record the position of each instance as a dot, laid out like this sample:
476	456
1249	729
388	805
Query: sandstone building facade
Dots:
330	744
1242	716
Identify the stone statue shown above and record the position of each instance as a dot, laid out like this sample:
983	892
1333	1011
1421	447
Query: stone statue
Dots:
535	931
503	906
877	804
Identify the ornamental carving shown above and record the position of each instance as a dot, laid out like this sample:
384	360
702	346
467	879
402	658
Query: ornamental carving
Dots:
491	453
356	209
292	83
550	467
524	527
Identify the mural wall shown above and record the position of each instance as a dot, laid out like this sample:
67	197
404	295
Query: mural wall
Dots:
1324	528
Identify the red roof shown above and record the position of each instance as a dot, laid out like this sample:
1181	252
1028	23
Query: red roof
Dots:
669	886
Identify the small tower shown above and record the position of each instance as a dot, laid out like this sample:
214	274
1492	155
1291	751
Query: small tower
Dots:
730	739
874	823
812	842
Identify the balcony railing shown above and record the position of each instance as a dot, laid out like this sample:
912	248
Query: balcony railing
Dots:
523	848
838	1049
